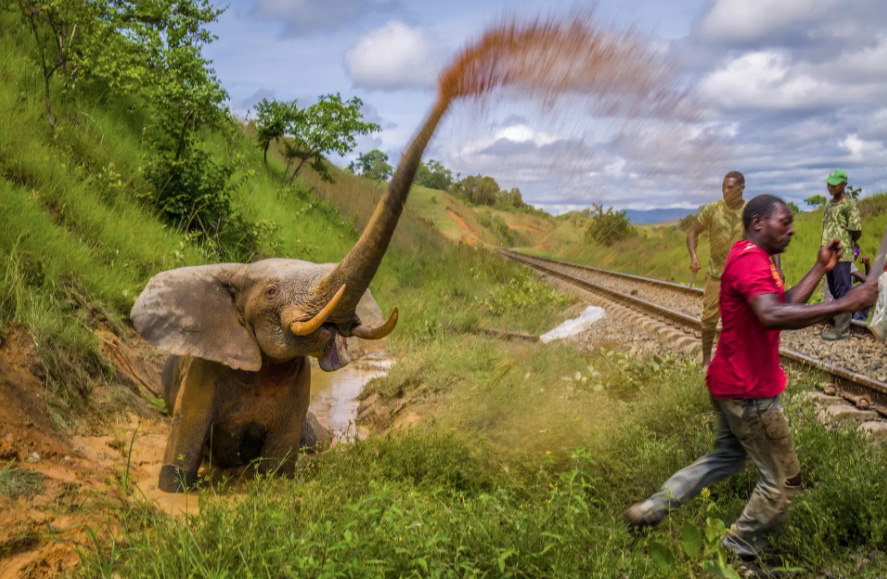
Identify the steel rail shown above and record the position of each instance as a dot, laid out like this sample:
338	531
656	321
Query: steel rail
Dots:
855	382
856	326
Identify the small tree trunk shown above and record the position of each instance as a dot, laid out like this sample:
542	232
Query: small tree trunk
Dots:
49	116
296	172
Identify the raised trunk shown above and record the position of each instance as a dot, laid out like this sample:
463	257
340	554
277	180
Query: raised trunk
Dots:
359	266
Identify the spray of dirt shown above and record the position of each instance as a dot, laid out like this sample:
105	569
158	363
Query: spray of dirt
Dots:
546	58
592	83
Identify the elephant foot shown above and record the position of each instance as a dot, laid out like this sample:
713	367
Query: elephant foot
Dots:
174	479
314	437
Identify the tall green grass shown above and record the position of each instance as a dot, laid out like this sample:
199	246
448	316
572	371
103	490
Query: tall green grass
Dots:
508	480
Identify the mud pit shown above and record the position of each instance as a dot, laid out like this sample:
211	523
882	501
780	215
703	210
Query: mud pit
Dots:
80	472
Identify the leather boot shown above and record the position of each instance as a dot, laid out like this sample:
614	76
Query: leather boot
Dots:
841	329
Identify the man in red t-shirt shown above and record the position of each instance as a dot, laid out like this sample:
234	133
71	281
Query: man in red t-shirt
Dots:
745	378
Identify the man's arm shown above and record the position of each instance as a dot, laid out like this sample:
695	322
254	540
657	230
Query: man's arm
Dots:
692	244
776	315
826	261
793	314
854	223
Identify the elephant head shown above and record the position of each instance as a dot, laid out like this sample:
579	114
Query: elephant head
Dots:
274	310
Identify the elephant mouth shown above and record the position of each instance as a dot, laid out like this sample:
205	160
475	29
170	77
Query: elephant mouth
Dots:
335	353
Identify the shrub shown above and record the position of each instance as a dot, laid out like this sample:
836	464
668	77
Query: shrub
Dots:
193	192
608	227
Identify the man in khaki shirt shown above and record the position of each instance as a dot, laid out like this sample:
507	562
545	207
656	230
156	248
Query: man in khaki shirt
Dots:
723	222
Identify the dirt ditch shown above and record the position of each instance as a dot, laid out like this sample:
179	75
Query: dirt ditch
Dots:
77	476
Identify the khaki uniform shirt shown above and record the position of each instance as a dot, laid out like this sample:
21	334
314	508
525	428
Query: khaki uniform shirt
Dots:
838	220
724	227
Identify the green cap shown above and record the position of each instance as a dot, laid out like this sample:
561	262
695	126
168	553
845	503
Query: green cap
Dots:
836	177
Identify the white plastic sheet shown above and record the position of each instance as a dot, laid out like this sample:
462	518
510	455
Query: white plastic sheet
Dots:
878	325
574	326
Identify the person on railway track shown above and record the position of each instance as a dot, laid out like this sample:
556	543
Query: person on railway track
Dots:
840	221
745	379
722	220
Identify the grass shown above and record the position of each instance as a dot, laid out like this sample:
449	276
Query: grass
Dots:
16	482
510	480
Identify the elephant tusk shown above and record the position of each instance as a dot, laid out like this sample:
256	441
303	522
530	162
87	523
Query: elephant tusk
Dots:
305	328
370	333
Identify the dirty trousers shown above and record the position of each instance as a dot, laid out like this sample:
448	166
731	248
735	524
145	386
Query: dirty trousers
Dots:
710	310
746	428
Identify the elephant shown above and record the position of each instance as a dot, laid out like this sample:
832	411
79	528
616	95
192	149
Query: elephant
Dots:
239	335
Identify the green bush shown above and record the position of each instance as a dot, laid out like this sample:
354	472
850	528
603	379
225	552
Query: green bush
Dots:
194	193
608	227
497	225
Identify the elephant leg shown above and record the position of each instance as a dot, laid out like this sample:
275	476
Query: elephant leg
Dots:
191	418
281	451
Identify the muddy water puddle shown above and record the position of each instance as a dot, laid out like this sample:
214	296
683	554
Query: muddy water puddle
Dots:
334	394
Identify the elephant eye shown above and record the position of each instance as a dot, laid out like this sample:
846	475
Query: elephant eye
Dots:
271	291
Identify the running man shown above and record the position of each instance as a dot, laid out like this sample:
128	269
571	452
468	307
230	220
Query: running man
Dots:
723	222
745	378
840	221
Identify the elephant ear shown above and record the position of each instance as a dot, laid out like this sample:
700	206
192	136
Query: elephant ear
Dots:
191	311
346	350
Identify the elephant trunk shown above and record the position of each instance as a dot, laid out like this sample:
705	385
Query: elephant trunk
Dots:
359	266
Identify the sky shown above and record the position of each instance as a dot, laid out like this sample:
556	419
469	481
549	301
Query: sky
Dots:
784	91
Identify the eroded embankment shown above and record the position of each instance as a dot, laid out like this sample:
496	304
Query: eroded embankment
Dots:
62	481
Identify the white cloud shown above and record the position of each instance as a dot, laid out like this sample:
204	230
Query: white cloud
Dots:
745	21
765	80
394	56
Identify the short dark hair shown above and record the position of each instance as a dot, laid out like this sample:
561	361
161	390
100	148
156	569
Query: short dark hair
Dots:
735	175
761	206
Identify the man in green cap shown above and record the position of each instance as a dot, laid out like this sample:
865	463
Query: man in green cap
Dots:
840	221
723	222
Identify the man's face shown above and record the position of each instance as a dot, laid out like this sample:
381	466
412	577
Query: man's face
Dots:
733	189
777	230
837	190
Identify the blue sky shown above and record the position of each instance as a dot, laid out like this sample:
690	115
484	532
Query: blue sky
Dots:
787	90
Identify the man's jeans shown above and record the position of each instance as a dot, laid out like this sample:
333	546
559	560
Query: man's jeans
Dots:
839	280
746	428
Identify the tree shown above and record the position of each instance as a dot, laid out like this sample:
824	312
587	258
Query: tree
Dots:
273	120
434	176
478	190
328	126
511	199
608	227
816	201
794	207
373	165
58	27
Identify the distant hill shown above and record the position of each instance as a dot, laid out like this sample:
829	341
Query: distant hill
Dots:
649	216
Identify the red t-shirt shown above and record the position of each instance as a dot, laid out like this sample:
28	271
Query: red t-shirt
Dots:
746	364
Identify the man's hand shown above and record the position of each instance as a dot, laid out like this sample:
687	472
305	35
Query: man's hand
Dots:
694	265
861	297
865	261
829	255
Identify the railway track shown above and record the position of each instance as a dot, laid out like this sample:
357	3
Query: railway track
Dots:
680	306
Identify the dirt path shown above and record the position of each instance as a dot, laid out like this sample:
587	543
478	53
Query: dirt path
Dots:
525	228
470	236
